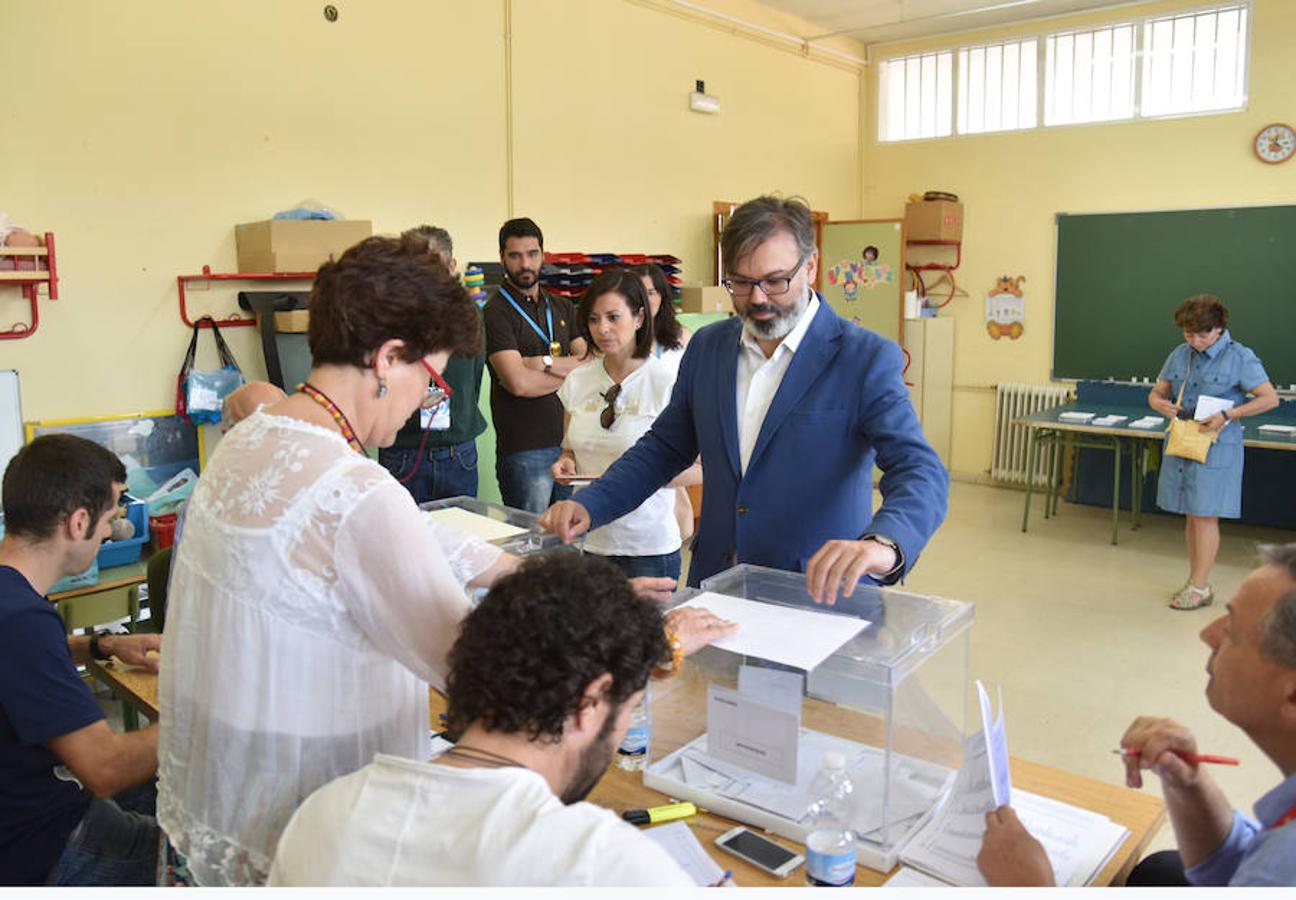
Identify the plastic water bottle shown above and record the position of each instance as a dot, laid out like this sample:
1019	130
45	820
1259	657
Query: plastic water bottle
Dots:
634	746
830	845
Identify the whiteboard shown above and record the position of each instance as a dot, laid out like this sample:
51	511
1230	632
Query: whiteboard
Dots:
11	426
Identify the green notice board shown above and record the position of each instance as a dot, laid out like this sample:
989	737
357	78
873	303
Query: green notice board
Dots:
1120	277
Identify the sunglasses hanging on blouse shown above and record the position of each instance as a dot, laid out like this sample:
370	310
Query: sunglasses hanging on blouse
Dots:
608	416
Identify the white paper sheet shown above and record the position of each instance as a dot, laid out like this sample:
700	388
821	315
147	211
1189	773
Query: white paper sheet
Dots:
795	637
1109	420
1207	406
996	748
677	839
486	528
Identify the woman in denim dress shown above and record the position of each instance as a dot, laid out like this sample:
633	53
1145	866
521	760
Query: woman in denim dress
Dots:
1215	365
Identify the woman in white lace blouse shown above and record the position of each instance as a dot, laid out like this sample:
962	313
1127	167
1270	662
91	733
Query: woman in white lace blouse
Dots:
311	601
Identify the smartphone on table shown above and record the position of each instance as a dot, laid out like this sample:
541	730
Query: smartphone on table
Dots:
760	851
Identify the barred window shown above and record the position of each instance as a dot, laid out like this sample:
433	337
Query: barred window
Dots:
1195	62
916	96
997	87
1089	75
1161	65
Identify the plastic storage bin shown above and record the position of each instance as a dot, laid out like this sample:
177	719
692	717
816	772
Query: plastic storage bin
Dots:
531	538
893	699
119	553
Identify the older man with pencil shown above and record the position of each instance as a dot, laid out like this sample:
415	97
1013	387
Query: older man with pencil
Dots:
1252	670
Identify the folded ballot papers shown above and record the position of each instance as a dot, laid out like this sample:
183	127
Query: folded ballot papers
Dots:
1147	422
1078	842
1270	428
1076	417
1108	421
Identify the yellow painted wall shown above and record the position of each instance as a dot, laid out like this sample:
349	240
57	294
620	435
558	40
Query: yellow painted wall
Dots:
1014	183
141	132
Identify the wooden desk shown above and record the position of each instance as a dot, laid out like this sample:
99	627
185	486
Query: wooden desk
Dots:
619	790
1045	429
137	687
113	597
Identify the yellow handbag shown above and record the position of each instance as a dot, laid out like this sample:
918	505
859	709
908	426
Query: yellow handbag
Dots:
1187	440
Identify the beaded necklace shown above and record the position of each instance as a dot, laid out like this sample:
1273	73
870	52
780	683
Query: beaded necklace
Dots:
339	417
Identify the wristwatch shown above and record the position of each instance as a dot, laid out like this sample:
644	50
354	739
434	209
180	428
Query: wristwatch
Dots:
548	363
95	652
887	577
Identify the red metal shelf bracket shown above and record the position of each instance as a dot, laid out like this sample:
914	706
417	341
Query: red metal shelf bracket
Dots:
29	286
232	320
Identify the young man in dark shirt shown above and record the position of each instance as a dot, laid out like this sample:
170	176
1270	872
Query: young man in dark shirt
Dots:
59	761
532	343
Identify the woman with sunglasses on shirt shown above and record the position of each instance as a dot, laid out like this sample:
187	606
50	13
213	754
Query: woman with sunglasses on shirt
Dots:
610	403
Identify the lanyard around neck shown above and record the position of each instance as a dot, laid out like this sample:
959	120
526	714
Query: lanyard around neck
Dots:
547	338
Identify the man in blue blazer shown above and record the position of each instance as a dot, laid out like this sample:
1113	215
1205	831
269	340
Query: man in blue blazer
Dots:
789	406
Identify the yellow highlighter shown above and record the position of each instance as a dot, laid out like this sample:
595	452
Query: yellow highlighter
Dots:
655	815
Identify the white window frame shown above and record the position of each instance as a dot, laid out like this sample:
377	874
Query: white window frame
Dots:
1139	24
962	106
943	125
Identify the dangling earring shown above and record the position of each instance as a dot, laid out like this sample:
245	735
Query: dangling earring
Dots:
382	389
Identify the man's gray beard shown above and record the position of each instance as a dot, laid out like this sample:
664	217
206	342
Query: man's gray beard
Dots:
779	328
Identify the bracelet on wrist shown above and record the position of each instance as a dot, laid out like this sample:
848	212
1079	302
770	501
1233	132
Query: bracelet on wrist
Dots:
677	654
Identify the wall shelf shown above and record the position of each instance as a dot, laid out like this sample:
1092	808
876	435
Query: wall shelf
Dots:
43	269
233	320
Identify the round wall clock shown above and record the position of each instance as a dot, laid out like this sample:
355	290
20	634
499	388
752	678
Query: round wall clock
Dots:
1275	143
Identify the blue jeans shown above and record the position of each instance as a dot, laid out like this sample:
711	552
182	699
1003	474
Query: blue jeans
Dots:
443	471
665	566
115	844
525	481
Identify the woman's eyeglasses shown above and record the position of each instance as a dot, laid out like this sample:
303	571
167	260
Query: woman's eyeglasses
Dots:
438	391
608	416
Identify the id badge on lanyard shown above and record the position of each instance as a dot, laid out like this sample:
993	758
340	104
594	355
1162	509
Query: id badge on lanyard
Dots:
555	347
437	418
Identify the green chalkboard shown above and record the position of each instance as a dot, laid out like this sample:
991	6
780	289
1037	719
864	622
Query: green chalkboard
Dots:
1120	277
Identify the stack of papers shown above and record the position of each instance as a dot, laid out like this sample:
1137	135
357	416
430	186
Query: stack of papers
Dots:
1146	422
1078	842
1077	418
1109	420
1270	428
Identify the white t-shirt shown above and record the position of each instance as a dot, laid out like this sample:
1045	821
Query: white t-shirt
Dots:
402	822
311	602
650	530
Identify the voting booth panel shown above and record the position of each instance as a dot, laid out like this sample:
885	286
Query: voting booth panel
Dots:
743	728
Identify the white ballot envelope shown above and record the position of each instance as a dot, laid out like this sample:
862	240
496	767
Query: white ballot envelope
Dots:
743	731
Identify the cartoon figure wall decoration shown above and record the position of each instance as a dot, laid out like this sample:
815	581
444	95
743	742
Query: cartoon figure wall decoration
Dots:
853	277
1006	308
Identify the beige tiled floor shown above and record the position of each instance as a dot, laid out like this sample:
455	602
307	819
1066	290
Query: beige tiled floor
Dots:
1077	631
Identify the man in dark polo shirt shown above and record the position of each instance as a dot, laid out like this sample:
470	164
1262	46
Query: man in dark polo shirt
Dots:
531	344
447	434
59	760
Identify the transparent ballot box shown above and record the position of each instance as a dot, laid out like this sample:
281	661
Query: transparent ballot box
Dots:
514	530
744	736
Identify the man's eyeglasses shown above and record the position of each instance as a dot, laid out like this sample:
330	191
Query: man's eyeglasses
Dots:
770	287
608	416
438	391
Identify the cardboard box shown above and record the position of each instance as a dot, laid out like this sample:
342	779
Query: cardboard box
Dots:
295	321
713	299
933	220
295	245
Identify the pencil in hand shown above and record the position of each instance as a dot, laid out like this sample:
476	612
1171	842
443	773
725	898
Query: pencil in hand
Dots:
1195	759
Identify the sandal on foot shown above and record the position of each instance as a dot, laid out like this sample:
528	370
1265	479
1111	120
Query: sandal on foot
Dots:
1192	597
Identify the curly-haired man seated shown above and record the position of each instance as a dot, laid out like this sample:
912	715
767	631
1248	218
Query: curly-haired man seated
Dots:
544	676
